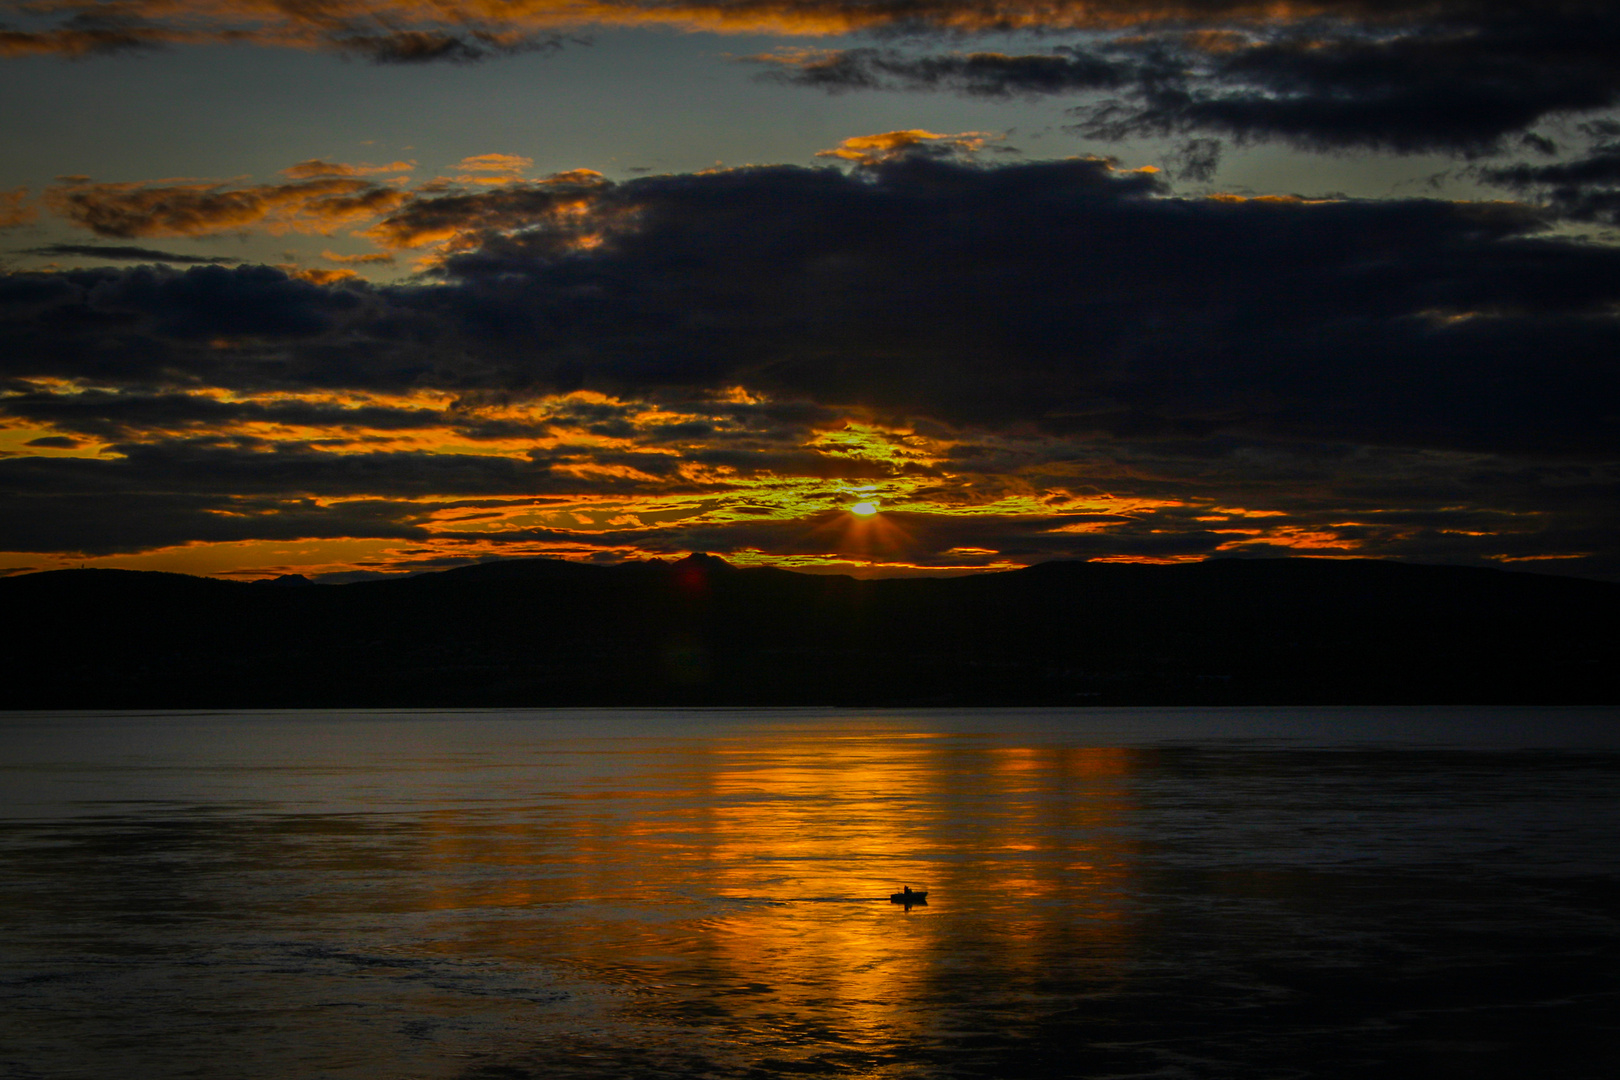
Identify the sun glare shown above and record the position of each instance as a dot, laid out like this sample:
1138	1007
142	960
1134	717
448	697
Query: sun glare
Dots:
864	509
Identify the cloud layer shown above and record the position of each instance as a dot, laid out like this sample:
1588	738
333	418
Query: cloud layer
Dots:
1017	361
1461	76
1406	77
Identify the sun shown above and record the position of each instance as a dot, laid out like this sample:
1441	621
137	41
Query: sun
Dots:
864	509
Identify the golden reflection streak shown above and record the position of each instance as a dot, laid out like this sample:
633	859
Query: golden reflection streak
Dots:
807	833
1103	861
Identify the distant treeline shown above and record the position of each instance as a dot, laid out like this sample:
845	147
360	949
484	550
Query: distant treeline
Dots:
538	632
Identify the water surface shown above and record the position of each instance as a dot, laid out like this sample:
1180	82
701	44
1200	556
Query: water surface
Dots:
593	894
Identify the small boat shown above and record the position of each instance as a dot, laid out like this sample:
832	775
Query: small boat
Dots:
908	897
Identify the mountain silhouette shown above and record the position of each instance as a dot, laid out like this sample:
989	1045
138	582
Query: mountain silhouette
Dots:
698	631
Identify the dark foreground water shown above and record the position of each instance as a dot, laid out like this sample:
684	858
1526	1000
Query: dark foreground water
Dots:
1112	893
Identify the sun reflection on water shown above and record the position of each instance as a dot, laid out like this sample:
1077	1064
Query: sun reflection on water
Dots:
675	895
741	885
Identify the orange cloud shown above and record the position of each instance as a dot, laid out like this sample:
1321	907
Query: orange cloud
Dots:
89	41
200	208
1289	537
1148	560
13	208
402	31
318	276
324	196
455	219
496	163
871	149
381	257
314	167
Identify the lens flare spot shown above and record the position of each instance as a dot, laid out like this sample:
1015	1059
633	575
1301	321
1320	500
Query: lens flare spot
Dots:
864	509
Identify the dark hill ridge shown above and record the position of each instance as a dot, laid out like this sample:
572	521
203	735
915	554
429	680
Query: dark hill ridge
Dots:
701	632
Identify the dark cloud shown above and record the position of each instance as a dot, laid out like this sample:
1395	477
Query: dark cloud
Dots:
110	523
1403	77
1584	189
1195	159
1455	84
245	466
983	74
150	327
213	490
126	253
439	46
214	302
90	33
433	216
1065	295
124	415
386	33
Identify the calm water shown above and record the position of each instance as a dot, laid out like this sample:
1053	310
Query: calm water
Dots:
1112	893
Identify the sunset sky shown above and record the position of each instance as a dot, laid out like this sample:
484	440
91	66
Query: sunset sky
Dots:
349	287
